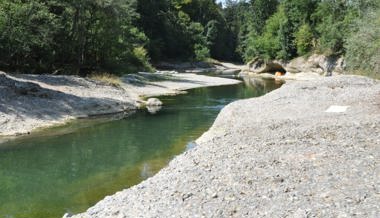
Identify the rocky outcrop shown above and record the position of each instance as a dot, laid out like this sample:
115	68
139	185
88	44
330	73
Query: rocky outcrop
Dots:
259	66
314	64
320	64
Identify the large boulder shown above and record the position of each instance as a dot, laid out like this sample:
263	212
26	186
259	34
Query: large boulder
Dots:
259	66
321	64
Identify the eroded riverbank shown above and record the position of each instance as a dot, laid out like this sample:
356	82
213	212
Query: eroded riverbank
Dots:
283	154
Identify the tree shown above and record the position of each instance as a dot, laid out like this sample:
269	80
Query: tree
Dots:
333	20
26	35
69	36
260	12
277	38
304	39
270	44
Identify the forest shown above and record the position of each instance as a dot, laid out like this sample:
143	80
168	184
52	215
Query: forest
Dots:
125	36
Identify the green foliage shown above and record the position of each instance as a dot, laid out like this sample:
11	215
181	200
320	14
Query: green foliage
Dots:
304	39
142	59
175	27
173	33
201	52
237	14
332	25
276	37
261	10
268	44
26	34
301	26
68	36
363	45
121	36
212	32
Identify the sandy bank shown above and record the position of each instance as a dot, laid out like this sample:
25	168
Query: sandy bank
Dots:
280	155
31	102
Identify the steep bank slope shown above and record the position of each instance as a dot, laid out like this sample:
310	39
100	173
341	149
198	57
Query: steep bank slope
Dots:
29	102
275	156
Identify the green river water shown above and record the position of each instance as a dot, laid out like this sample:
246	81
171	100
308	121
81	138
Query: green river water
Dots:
69	169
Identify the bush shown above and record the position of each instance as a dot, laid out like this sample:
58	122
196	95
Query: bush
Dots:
141	55
363	45
201	52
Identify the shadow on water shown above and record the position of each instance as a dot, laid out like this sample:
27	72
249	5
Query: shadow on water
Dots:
49	175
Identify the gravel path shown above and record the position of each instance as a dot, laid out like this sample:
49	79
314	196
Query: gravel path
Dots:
32	102
280	155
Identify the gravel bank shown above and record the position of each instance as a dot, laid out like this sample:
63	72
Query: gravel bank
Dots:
280	155
30	102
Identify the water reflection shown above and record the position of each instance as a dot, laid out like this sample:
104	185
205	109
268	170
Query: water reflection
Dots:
153	109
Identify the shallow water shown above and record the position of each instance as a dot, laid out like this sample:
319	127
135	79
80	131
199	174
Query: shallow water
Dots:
50	174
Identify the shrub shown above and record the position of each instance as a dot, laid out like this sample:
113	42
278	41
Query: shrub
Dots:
141	55
201	52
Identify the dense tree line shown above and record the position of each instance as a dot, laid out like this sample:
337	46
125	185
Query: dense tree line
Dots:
121	36
70	36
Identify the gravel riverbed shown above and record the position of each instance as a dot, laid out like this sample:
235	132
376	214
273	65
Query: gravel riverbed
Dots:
280	155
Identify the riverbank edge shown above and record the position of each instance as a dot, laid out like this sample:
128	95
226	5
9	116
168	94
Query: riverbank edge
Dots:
205	181
33	103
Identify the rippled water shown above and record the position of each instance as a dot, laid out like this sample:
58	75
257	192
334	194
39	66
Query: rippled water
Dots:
50	174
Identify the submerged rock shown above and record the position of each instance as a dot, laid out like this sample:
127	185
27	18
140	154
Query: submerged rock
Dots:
153	102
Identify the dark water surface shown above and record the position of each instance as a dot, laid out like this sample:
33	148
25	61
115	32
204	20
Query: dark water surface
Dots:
49	175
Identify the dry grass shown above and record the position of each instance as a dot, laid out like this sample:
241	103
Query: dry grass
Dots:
106	78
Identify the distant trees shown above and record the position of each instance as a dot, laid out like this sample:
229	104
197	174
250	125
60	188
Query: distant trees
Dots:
121	36
298	27
185	29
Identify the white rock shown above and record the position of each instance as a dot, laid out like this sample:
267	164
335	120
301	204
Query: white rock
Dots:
153	102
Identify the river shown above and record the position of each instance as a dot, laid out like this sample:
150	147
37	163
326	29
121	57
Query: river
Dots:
70	168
